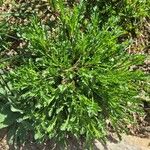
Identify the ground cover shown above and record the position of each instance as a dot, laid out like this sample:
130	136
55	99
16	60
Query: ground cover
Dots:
73	69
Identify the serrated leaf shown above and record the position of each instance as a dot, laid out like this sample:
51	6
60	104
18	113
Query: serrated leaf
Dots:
51	126
64	125
59	109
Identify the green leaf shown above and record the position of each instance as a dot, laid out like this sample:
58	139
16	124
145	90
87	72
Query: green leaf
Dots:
13	109
2	119
7	117
59	109
65	124
52	125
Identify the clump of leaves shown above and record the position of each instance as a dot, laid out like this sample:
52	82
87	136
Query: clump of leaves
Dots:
70	80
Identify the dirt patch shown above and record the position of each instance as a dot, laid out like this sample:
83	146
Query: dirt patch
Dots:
3	141
128	142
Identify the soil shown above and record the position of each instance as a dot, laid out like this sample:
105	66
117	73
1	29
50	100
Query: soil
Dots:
128	142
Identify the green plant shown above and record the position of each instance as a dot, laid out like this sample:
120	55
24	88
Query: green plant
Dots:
70	80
